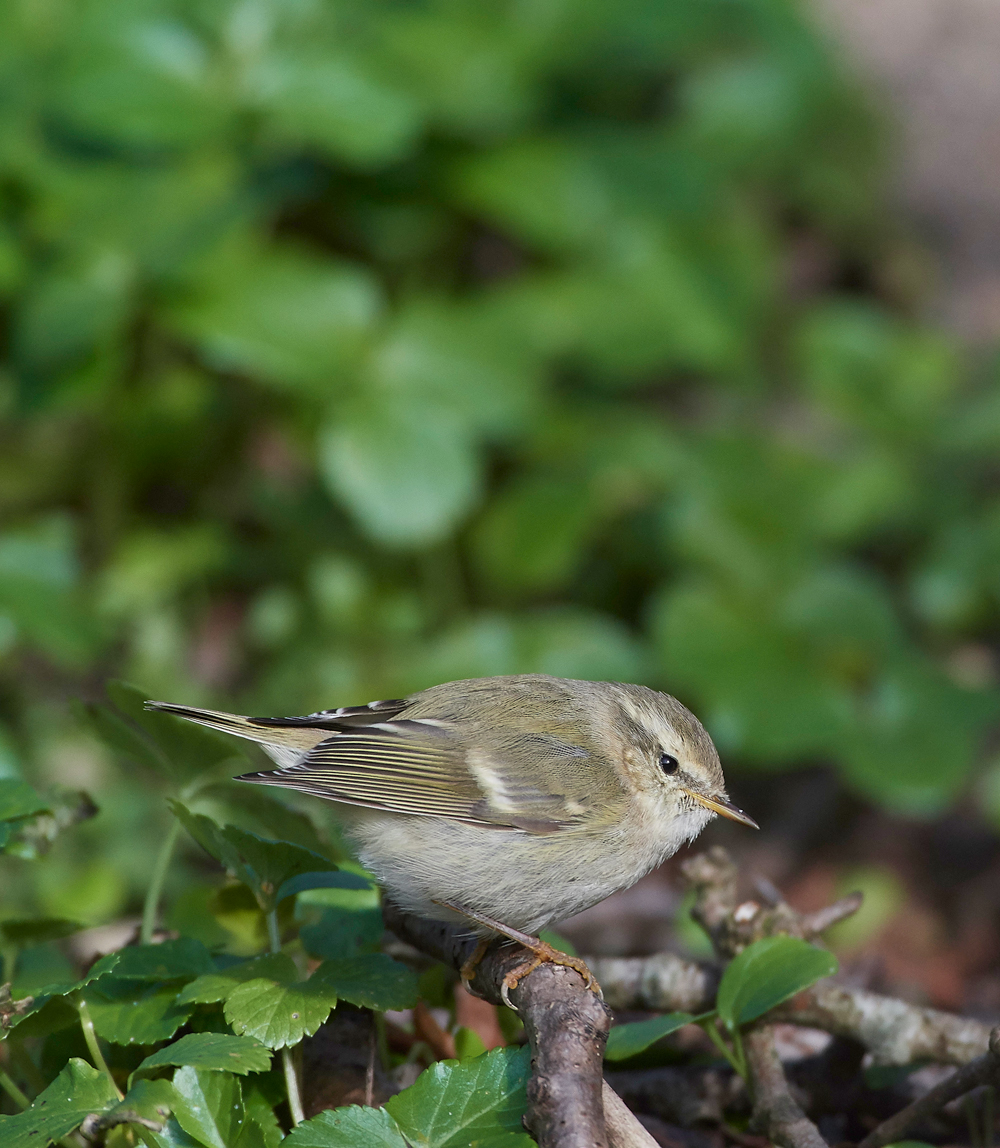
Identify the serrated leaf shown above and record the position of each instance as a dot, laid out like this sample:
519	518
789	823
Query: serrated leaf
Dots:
261	864
284	823
131	1012
215	1051
348	1127
18	799
171	960
343	933
375	981
341	879
48	1011
626	1040
455	1103
38	932
768	972
76	1092
216	987
210	1106
279	1015
276	862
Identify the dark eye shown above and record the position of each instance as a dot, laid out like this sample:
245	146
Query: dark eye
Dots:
669	763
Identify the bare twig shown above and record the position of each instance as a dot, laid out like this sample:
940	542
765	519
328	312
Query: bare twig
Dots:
566	1024
815	923
441	1043
624	1131
775	1111
893	1031
983	1070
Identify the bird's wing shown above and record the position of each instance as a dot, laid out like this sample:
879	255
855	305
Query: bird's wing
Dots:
422	768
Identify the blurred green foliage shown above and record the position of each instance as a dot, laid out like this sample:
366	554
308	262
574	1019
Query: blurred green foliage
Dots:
352	347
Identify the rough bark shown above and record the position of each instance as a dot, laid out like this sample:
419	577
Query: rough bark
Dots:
567	1028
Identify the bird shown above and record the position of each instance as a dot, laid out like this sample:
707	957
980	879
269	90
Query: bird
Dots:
513	802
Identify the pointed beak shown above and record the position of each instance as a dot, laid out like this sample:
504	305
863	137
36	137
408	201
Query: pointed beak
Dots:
724	808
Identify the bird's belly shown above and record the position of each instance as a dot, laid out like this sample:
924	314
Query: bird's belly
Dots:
519	879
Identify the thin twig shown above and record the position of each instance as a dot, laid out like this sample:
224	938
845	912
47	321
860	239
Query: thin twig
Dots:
815	923
983	1070
775	1111
624	1131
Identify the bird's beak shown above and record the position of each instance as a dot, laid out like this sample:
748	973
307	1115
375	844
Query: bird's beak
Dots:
724	808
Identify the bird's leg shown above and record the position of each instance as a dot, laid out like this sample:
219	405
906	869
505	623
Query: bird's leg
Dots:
468	969
542	953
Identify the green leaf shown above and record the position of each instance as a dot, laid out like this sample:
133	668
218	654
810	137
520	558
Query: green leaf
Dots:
18	799
130	1012
37	932
340	879
455	1103
768	972
215	987
260	1110
627	1040
76	1092
343	933
280	821
216	1051
170	960
210	1107
185	750
156	1100
289	319
276	1014
48	1011
348	1128
375	981
407	474
261	864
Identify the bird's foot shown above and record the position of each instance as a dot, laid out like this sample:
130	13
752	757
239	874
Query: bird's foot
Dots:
542	953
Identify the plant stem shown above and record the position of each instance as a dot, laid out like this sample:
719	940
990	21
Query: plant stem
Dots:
720	1044
151	907
90	1036
13	1091
287	1063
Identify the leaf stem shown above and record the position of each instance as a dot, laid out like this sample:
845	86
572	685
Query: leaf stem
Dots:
90	1036
287	1062
715	1037
151	907
13	1091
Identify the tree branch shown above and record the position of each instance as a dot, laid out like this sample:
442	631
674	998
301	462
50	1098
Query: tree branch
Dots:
983	1070
776	1112
567	1028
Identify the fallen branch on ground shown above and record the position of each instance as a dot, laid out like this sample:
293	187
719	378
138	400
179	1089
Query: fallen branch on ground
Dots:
984	1070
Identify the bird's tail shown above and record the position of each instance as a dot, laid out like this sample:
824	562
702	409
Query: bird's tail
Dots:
273	735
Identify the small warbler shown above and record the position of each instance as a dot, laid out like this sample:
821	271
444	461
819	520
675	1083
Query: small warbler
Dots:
512	801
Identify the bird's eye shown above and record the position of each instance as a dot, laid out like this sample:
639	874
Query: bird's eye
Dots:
669	763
